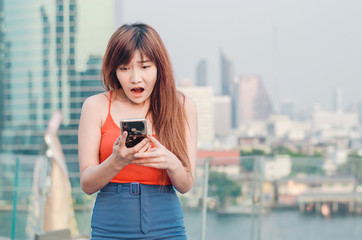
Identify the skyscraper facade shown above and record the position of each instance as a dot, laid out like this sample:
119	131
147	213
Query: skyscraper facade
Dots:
228	86
201	73
227	76
222	115
254	102
42	73
287	108
2	68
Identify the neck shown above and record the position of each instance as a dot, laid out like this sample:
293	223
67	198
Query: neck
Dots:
119	95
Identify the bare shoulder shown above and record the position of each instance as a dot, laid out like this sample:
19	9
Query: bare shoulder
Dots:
94	110
97	102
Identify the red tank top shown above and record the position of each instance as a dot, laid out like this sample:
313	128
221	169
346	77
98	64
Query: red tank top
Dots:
132	172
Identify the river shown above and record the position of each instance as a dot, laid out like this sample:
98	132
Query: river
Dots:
276	225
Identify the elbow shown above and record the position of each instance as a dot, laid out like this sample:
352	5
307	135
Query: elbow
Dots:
186	188
86	188
183	191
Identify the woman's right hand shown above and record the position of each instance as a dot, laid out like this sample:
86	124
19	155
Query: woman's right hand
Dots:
122	155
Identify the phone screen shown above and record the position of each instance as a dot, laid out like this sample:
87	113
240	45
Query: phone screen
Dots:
136	129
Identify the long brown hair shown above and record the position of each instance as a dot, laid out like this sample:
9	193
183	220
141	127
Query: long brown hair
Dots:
166	104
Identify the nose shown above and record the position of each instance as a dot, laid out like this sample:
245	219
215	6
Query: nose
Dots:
136	76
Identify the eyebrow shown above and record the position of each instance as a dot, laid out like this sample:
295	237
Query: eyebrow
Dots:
144	61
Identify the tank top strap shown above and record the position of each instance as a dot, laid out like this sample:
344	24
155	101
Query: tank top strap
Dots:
110	100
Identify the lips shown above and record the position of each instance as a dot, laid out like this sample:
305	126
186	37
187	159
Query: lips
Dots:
137	91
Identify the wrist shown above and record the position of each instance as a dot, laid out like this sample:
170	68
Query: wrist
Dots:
115	163
175	166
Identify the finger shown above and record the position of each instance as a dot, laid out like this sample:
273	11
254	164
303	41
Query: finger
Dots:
150	154
153	164
154	141
140	145
145	148
142	161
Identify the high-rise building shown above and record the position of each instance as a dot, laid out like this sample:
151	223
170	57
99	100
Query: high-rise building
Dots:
203	97
2	68
287	108
46	64
254	102
222	115
228	86
227	76
201	73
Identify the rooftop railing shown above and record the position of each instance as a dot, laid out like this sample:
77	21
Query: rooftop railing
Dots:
237	195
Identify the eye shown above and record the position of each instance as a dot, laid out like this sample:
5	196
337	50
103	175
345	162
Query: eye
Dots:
145	66
123	68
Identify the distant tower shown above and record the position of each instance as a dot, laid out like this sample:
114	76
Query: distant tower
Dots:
337	100
254	103
287	108
201	73
228	86
226	76
222	115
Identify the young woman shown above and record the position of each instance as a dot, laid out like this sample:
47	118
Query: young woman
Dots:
136	198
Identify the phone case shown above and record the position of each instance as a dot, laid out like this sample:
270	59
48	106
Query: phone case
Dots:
136	129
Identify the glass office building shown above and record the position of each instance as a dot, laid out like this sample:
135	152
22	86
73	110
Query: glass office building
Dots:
2	65
48	66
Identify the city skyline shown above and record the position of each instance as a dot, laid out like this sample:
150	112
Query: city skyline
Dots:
48	66
308	45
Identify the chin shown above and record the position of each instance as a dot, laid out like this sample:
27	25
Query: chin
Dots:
138	101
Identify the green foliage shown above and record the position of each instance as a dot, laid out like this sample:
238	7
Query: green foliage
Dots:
352	167
221	186
248	164
282	150
354	155
253	152
247	160
308	165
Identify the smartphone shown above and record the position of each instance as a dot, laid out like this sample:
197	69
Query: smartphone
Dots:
136	129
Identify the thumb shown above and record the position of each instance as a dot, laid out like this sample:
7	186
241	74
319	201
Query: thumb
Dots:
121	140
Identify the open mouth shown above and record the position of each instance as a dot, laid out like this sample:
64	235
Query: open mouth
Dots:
137	90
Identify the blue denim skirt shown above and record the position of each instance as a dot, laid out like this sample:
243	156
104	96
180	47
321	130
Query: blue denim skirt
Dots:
137	211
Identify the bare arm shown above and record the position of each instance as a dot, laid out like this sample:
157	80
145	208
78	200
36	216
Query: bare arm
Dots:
94	176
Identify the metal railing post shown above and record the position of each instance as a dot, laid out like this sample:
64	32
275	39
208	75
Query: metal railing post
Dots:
15	199
204	198
253	195
261	176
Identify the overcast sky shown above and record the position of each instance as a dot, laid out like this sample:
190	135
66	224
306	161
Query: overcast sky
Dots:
302	49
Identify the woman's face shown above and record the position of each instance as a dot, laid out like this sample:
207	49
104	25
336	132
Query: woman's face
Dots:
138	78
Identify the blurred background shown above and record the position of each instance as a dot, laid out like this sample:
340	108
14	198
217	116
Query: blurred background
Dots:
277	84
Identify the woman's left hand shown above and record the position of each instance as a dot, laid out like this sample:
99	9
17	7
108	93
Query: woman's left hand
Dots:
158	157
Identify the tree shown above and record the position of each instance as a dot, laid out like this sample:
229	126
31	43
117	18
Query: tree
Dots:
222	187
